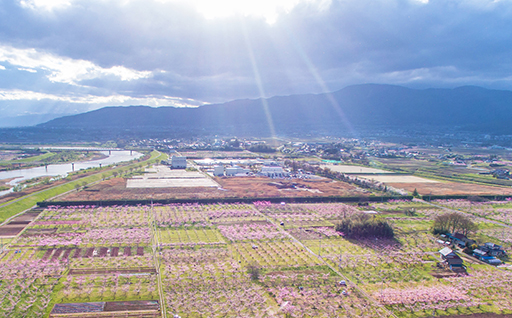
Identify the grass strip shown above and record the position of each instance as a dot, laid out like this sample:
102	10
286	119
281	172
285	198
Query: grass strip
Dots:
30	200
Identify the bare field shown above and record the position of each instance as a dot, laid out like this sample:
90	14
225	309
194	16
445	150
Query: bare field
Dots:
452	188
218	154
163	177
398	179
115	189
355	169
258	186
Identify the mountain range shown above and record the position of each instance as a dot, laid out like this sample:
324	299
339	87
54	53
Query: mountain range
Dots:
359	105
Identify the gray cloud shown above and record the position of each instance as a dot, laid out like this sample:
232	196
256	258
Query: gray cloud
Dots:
169	51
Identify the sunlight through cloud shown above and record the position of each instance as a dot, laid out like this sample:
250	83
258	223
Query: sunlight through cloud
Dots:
98	101
63	69
45	4
268	9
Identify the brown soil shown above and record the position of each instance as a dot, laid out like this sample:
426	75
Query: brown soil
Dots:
132	305
97	271
452	188
17	224
137	308
254	187
304	234
11	230
443	274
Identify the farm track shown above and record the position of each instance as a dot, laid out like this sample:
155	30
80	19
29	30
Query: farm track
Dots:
155	248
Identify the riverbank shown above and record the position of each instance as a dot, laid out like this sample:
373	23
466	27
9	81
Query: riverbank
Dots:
18	205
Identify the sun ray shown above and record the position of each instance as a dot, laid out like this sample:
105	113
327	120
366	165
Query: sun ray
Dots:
259	83
323	86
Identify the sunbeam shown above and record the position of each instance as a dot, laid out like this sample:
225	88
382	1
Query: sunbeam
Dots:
259	83
313	70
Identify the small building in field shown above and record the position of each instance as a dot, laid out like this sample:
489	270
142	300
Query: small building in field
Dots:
273	172
218	171
452	260
492	249
460	239
178	162
236	171
491	260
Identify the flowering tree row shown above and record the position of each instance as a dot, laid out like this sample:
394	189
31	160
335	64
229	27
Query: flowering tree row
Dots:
316	294
273	254
178	215
110	287
251	231
193	235
95	217
208	282
121	262
105	237
26	287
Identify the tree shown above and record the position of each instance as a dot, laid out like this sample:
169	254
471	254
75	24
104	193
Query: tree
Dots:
254	271
364	226
453	222
415	193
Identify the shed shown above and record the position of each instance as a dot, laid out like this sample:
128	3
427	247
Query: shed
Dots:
178	162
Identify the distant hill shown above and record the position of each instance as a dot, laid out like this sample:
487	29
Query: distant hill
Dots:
27	120
359	105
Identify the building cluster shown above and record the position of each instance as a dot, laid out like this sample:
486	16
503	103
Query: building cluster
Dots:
487	253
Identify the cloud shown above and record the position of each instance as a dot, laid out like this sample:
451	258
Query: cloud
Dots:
62	69
45	4
148	50
120	100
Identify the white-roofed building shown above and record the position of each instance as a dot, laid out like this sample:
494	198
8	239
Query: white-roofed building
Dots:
273	172
178	162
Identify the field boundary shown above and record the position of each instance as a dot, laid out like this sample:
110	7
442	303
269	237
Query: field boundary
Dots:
45	204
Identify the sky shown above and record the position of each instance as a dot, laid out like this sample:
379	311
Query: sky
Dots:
72	56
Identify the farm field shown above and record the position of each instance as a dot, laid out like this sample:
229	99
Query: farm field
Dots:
397	179
452	188
160	176
238	187
356	169
247	260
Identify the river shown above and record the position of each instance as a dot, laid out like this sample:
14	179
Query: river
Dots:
63	169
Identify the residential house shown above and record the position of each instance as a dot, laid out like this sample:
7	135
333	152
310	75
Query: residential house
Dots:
452	260
492	249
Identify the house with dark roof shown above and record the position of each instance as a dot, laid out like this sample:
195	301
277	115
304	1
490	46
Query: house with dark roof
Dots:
460	239
452	260
493	249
